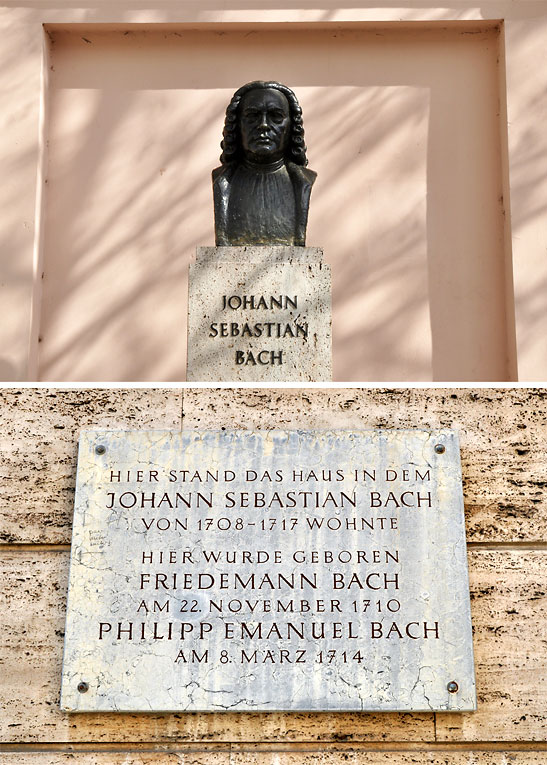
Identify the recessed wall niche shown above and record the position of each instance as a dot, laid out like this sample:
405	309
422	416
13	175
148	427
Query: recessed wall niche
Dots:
403	127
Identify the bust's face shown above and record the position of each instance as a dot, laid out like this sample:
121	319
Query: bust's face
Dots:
265	125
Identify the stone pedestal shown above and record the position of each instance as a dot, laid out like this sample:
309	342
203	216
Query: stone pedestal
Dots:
259	314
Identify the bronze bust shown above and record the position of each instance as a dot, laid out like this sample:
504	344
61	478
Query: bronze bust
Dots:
262	189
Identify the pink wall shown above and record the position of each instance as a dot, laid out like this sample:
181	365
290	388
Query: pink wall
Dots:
403	127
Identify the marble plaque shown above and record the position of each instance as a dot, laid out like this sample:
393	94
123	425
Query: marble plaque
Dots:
259	314
262	571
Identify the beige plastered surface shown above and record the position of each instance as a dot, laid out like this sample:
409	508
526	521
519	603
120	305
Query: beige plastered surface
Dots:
423	266
403	130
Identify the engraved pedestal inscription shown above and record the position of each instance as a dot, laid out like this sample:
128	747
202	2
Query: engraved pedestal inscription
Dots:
268	571
259	314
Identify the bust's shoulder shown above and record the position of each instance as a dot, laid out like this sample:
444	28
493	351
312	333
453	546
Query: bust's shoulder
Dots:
304	174
224	171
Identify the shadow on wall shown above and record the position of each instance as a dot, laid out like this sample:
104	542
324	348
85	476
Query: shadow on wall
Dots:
402	127
116	246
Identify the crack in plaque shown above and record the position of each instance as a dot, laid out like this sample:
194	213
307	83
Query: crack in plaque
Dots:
421	682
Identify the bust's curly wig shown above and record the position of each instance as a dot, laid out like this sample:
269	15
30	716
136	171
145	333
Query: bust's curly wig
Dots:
231	144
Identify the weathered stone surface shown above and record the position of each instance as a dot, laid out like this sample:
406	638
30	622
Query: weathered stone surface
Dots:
356	757
246	756
509	613
502	437
116	758
234	331
510	661
38	447
254	253
352	592
33	603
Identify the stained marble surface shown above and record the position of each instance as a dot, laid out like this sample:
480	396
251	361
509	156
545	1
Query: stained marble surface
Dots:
268	570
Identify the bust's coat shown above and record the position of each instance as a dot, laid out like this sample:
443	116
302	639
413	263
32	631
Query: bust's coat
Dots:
302	181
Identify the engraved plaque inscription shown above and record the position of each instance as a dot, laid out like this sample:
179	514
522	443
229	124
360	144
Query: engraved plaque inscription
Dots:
279	570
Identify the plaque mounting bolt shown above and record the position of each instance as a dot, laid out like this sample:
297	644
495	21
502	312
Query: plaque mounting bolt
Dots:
440	448
100	449
452	687
83	687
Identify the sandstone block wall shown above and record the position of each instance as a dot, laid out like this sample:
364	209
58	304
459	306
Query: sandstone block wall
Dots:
503	435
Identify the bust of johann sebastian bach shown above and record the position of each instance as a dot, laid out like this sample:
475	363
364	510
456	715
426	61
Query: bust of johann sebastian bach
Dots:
262	189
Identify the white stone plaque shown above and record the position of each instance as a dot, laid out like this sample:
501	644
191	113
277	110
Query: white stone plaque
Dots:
259	314
262	571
